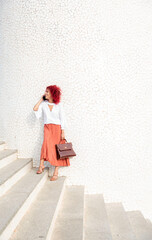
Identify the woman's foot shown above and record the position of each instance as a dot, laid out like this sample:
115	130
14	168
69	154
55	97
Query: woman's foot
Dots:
55	177
41	169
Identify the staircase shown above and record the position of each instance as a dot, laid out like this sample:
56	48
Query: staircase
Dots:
33	207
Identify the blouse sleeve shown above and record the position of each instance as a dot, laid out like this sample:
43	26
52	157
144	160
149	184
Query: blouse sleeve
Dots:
62	116
38	113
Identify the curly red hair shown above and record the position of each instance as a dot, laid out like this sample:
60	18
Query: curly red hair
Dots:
55	93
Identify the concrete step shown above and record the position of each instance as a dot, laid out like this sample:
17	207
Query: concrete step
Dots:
11	173
96	225
7	156
149	224
17	200
119	223
139	225
2	145
69	222
39	219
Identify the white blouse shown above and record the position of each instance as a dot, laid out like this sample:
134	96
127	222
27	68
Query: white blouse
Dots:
56	115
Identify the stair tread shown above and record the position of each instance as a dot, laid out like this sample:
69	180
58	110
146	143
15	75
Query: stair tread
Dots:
119	223
11	202
69	222
6	152
149	224
140	225
9	170
96	225
36	222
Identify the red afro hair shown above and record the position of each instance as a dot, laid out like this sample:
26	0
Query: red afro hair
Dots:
55	93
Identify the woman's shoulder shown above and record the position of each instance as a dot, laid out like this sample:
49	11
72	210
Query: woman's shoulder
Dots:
45	102
60	104
42	103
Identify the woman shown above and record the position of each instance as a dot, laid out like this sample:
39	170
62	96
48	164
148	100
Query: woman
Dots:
54	124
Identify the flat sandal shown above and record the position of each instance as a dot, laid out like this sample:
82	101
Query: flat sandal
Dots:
40	171
51	179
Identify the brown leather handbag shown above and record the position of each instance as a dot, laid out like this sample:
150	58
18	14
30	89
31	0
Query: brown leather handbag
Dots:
64	150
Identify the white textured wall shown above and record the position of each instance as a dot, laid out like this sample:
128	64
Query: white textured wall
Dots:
100	54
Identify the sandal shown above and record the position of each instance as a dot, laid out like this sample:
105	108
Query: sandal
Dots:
40	170
53	179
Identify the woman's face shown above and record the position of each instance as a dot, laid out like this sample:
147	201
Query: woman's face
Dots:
47	94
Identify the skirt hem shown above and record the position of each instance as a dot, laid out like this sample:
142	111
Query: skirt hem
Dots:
56	165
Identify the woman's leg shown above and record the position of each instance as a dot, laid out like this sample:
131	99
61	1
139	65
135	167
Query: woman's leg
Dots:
41	166
42	162
56	170
55	174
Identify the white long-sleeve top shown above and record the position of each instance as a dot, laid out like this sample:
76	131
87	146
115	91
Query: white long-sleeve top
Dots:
56	115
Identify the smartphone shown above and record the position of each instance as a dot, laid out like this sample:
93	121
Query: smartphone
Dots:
44	98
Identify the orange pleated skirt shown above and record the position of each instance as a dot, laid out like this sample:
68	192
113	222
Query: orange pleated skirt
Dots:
52	136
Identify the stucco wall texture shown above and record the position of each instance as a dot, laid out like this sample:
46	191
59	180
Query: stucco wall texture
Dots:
100	54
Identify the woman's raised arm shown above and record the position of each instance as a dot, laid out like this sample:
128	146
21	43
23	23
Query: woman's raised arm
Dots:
36	107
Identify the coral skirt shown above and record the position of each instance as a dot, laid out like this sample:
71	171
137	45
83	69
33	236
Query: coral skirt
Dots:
52	136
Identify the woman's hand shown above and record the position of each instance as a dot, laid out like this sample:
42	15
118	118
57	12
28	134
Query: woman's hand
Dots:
62	134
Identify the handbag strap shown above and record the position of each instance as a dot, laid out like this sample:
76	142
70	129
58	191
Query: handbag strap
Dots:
63	140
